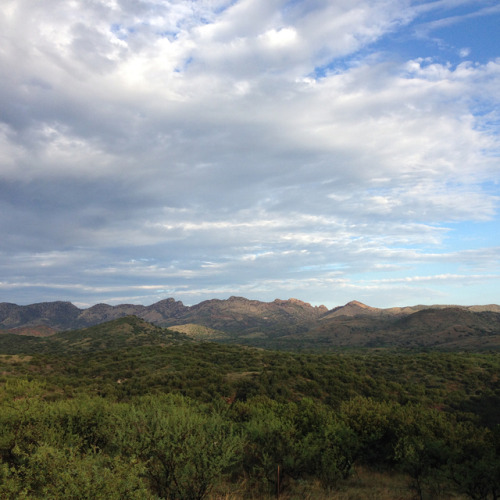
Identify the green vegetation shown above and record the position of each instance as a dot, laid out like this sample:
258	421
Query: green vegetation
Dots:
129	410
199	332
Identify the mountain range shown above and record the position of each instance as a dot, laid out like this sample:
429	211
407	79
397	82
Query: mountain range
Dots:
288	323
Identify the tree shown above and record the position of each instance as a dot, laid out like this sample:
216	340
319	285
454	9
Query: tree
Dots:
184	450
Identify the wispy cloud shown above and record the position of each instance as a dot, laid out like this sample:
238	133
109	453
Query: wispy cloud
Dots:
478	10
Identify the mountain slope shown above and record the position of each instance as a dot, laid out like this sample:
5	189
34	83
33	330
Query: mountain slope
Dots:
240	316
126	332
281	323
235	315
199	332
445	328
58	315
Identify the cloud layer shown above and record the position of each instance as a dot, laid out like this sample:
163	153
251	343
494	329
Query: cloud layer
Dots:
253	147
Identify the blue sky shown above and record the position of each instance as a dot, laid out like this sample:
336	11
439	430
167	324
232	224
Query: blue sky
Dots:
323	150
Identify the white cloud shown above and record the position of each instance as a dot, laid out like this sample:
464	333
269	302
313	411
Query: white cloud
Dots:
250	135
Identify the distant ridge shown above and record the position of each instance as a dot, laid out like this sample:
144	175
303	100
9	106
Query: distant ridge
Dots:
236	314
281	323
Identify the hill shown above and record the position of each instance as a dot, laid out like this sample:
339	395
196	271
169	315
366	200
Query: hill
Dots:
449	328
127	332
285	324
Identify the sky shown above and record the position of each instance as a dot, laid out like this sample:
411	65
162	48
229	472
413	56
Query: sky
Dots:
326	150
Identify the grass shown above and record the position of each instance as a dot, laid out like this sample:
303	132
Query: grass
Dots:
364	484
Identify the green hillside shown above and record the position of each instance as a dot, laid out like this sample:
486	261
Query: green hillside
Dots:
129	331
199	332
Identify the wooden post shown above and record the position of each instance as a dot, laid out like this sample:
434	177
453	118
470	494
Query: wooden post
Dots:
278	484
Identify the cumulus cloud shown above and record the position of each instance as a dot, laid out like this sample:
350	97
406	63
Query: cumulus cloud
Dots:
259	147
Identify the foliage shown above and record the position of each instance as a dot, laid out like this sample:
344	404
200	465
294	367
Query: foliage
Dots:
185	450
183	420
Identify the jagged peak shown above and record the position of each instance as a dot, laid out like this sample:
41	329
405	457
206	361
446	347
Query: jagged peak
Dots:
298	301
290	301
169	300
